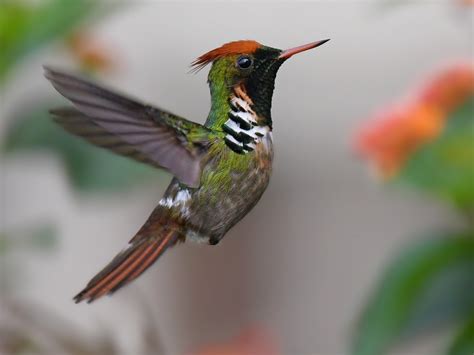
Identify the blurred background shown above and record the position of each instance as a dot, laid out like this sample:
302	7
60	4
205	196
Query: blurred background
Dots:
363	242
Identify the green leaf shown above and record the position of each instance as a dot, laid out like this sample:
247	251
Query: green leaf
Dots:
463	343
428	284
26	26
89	168
445	167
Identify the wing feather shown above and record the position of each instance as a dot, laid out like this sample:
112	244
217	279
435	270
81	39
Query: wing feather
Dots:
131	128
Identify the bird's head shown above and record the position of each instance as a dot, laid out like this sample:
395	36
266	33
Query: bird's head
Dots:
247	66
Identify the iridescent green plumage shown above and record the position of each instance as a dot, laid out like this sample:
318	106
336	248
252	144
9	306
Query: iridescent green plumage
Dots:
221	168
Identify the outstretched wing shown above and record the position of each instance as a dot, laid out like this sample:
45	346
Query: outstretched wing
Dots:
131	128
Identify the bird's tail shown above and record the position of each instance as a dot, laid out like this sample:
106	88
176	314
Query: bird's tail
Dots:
139	255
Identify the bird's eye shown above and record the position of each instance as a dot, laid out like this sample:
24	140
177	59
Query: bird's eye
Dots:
244	62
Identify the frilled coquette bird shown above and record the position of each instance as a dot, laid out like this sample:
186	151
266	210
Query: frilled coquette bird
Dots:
221	168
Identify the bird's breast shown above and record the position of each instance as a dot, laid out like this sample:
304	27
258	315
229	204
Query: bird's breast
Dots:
231	185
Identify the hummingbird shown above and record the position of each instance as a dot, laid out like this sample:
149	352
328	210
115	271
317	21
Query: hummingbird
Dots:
220	169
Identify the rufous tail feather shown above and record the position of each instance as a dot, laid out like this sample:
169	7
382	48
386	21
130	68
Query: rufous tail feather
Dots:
128	265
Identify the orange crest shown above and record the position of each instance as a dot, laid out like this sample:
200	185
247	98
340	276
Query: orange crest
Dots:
236	47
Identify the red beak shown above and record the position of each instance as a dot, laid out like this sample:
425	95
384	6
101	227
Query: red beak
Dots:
292	51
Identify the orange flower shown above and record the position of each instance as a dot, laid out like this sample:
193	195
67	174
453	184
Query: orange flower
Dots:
450	88
394	134
91	54
252	341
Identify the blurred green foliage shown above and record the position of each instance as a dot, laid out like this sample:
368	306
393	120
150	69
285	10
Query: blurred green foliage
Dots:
406	289
463	343
445	167
26	26
89	168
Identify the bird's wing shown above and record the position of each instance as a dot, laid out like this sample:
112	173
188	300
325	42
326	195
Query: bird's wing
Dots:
131	128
